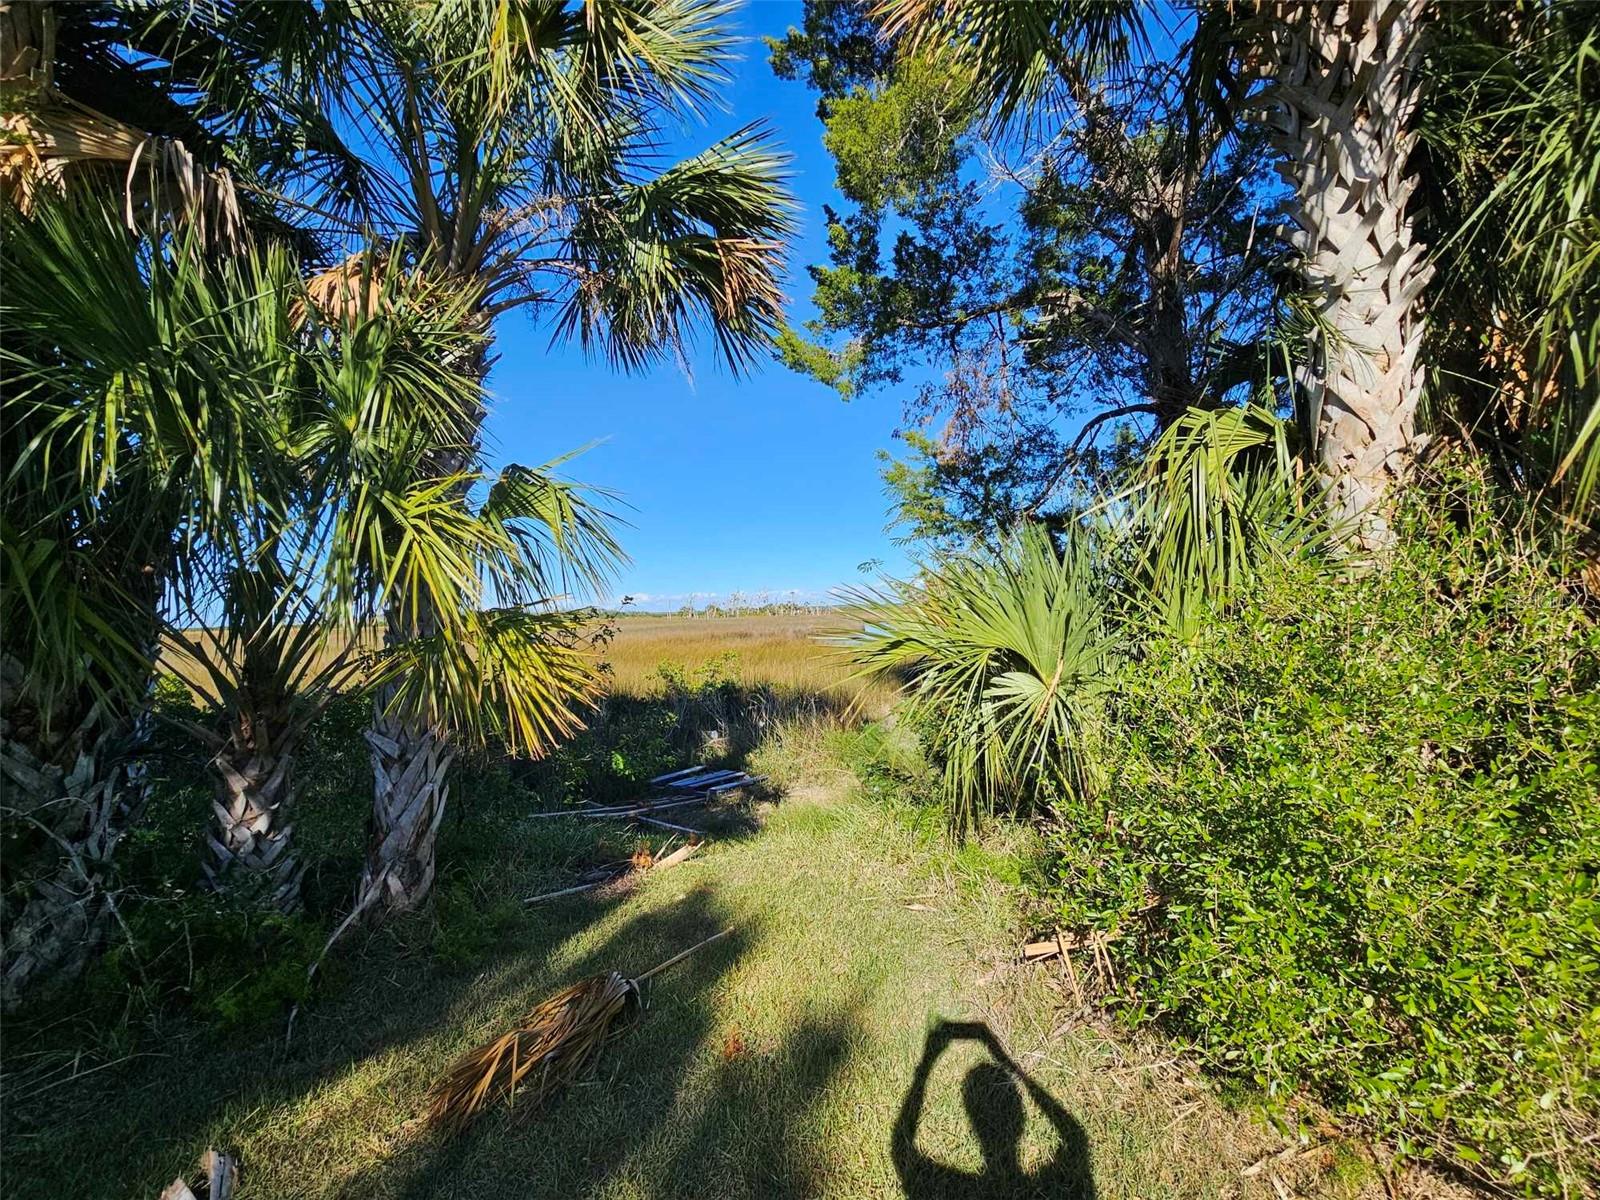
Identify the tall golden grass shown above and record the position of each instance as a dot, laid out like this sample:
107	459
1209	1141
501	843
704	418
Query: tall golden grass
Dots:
785	651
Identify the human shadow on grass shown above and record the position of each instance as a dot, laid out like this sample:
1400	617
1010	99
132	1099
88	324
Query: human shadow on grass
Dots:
993	1100
583	1135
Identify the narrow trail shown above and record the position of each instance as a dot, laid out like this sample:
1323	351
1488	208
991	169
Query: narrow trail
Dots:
792	1059
779	1065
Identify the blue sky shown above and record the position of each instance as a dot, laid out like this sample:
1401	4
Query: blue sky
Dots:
769	483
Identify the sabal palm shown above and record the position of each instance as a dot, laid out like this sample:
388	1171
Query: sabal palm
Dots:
91	539
124	447
292	640
332	515
1001	655
513	146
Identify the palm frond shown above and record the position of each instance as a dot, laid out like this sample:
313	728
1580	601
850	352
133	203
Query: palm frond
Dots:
519	676
51	142
1019	59
564	535
552	1046
1513	118
1219	493
1001	654
549	1048
180	357
700	243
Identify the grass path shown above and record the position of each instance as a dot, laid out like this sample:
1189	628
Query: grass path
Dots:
773	1064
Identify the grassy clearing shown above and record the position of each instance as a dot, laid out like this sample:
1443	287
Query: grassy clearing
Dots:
775	1063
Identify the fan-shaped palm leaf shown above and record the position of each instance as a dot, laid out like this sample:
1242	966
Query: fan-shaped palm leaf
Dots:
1219	493
1000	655
1019	57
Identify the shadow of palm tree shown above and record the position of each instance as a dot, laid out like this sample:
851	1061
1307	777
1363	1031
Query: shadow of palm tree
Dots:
741	1134
198	1086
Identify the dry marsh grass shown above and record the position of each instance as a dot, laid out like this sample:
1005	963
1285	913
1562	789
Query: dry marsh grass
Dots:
786	651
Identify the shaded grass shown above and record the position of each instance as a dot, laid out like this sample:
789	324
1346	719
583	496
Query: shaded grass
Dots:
773	1064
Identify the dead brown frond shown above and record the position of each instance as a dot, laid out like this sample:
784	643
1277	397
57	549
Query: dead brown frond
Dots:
349	292
41	148
551	1047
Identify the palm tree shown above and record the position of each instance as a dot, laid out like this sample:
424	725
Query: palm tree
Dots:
113	466
296	637
123	446
270	597
1341	94
514	150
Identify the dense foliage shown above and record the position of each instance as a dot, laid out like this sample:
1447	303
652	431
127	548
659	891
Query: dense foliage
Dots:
1331	818
1512	140
1348	839
1125	269
245	395
189	954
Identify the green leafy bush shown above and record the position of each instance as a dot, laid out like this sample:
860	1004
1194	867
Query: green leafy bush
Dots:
1349	840
628	742
229	965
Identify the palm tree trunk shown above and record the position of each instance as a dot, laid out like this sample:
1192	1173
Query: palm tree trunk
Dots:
1343	89
71	800
249	849
411	763
410	769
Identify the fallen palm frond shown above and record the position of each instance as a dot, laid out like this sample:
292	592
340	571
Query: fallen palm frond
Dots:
552	1046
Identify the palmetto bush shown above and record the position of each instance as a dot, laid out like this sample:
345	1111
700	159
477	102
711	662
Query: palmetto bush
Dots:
1220	493
1004	655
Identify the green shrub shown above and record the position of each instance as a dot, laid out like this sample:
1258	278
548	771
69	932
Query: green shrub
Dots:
1349	841
626	744
470	928
228	965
